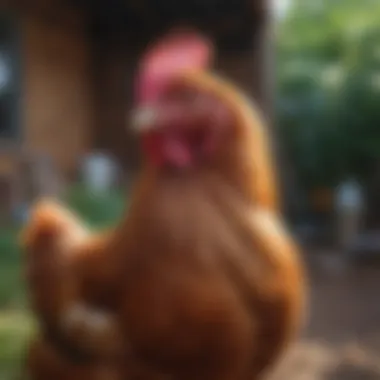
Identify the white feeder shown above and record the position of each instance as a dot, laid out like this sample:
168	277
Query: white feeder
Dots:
349	208
99	172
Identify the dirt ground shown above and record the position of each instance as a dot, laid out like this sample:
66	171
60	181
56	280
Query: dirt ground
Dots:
342	338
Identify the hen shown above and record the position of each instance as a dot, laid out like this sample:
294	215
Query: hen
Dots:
201	277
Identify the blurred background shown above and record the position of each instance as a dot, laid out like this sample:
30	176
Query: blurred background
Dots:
66	77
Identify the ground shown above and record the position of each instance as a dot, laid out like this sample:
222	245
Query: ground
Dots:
341	340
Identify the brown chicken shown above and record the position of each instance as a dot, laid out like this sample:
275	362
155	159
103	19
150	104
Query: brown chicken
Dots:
201	280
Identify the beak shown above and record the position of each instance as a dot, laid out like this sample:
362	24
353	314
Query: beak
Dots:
144	119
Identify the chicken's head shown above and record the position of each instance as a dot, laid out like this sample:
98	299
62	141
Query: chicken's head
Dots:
182	123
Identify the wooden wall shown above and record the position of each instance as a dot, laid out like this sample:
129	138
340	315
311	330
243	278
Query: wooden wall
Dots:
114	80
243	69
57	86
56	76
75	98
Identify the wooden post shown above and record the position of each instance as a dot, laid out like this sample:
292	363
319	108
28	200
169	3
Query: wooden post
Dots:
267	56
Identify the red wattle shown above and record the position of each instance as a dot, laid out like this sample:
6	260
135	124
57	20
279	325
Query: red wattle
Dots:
167	150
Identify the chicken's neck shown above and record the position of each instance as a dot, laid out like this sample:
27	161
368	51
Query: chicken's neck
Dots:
175	206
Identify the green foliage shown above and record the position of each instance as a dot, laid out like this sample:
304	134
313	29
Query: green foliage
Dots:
98	210
329	86
11	287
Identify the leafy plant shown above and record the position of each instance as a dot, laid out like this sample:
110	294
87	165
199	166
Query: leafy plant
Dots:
98	210
328	90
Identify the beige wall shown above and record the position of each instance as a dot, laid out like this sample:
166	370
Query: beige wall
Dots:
56	84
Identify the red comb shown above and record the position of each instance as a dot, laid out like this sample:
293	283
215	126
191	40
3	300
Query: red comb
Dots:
176	52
